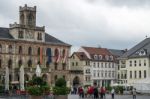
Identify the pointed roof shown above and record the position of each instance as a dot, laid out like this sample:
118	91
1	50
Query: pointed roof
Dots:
117	52
137	49
98	51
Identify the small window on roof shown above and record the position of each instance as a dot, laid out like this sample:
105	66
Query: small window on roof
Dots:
107	57
100	57
95	57
111	57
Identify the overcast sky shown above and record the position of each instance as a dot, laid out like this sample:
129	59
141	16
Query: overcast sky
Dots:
116	24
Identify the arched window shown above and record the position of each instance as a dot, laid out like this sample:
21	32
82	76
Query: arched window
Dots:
55	77
63	53
10	49
38	51
100	57
22	19
30	19
30	51
29	63
10	63
56	54
47	64
0	63
19	63
20	49
49	55
0	48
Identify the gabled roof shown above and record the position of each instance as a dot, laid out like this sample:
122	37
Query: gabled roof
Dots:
99	54
4	33
134	51
97	51
117	52
80	55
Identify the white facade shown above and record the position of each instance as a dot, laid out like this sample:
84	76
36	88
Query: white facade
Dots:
137	69
104	73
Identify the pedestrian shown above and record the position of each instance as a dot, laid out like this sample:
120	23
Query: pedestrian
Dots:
81	94
95	91
101	92
72	90
75	90
90	91
112	93
104	92
85	92
134	93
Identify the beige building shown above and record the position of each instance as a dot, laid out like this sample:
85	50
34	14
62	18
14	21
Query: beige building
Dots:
96	65
80	70
135	63
26	44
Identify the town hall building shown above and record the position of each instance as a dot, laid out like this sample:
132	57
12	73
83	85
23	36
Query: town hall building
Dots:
28	45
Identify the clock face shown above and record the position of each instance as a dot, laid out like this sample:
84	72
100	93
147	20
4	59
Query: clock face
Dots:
29	35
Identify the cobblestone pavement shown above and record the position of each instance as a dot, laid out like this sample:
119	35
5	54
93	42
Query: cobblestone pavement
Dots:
107	97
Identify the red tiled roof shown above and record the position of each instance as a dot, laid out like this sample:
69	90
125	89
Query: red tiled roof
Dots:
97	51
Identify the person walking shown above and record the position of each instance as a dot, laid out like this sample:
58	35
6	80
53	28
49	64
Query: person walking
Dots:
101	93
104	92
134	93
95	91
112	93
85	92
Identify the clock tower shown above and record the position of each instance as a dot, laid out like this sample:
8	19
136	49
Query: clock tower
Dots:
27	16
27	29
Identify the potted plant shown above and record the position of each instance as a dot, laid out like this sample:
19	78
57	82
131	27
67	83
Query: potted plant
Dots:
60	90
37	88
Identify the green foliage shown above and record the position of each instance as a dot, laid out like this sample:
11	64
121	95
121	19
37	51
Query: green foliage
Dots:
38	87
60	90
1	88
60	87
108	88
35	90
119	89
60	82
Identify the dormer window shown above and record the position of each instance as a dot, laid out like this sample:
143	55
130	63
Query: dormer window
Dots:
39	37
107	57
20	34
10	49
111	58
95	57
100	57
0	48
142	52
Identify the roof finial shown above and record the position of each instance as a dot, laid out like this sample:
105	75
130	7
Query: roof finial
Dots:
146	36
99	46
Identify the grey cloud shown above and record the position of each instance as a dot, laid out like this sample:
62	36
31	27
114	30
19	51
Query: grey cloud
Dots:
82	23
129	3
